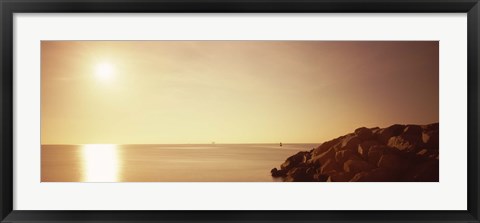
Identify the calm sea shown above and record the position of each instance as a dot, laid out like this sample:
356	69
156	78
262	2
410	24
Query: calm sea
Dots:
164	163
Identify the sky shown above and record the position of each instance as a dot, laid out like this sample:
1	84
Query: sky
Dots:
169	92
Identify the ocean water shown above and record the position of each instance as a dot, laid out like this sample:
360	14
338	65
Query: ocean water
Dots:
164	163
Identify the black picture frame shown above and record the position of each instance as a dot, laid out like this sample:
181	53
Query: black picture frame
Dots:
9	7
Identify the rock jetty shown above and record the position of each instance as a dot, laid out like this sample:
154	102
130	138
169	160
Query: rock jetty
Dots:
399	153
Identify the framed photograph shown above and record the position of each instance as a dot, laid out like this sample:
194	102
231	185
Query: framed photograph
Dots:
239	111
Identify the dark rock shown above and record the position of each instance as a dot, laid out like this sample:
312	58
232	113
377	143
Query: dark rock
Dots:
320	177
299	175
385	134
278	173
396	153
326	146
365	146
425	172
355	166
300	157
340	177
392	162
364	133
329	166
361	177
375	152
401	143
344	155
376	175
410	140
422	152
431	140
349	143
426	137
413	130
433	126
311	171
322	158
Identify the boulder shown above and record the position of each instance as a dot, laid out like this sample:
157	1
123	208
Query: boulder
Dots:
329	166
401	143
374	154
364	133
295	160
409	140
361	177
349	143
425	137
322	158
422	152
326	146
375	175
414	131
433	126
300	174
427	171
344	155
385	134
356	166
278	173
320	177
365	146
340	177
392	162
431	139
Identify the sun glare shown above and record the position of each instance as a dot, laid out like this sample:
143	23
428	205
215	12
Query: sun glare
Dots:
101	163
104	71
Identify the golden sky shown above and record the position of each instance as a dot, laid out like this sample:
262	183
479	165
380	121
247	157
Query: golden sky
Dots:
128	92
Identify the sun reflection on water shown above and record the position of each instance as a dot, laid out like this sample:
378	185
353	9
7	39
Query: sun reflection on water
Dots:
101	163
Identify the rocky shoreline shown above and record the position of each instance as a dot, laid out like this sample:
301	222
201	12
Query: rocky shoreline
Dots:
399	153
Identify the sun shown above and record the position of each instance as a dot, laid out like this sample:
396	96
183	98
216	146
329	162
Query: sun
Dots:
104	71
